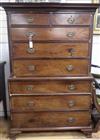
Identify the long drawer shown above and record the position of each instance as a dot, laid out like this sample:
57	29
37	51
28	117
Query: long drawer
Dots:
50	102
49	86
63	34
57	67
50	119
22	50
52	18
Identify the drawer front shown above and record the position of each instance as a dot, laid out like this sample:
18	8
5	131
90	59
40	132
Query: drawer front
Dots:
50	102
22	50
71	19
49	86
30	19
50	119
71	33
48	67
54	19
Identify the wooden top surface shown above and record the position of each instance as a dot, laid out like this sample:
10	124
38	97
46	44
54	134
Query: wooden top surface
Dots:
89	6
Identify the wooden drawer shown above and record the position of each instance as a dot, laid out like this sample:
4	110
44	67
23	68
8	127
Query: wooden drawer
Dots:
71	19
57	67
22	50
52	18
30	19
50	102
68	33
49	86
50	119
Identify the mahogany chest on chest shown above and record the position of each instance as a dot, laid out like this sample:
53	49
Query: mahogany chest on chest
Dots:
50	86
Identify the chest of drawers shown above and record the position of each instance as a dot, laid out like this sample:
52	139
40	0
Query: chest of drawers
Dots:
50	87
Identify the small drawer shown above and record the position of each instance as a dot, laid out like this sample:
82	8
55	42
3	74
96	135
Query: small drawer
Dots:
50	119
57	67
50	102
23	50
49	86
71	19
44	34
30	19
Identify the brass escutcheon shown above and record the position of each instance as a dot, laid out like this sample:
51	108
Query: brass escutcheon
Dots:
31	67
30	19
29	87
71	20
30	104
71	103
70	34
30	50
71	119
71	87
69	67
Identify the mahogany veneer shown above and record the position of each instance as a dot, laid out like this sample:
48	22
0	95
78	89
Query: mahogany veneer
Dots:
62	67
42	18
50	86
58	50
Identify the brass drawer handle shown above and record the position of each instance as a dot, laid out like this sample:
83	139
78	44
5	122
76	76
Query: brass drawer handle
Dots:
31	67
69	68
30	19
30	50
71	103
71	120
30	34
30	104
70	34
29	87
71	87
71	20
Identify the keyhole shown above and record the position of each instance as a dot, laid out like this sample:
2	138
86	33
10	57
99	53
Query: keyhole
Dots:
70	51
